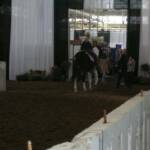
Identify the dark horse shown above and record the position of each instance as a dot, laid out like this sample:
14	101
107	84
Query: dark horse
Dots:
84	64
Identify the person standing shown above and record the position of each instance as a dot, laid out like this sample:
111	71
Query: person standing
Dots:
130	71
95	55
89	47
122	69
104	59
95	49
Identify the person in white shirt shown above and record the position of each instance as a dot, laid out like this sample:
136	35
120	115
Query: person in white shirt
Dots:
130	71
95	49
95	52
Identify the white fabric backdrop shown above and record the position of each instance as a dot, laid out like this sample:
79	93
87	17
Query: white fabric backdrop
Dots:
144	54
31	45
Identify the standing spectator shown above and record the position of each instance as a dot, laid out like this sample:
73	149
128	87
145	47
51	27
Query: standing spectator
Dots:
104	59
90	48
95	49
122	68
130	71
95	55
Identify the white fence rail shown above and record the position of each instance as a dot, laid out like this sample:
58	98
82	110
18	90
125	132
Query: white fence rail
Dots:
2	76
128	128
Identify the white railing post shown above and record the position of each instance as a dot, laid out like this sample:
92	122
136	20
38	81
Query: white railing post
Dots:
29	145
2	76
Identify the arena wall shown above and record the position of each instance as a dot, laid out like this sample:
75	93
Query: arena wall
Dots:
128	128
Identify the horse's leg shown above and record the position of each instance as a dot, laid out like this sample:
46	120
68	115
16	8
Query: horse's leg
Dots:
95	76
103	77
103	71
75	87
84	82
89	74
84	86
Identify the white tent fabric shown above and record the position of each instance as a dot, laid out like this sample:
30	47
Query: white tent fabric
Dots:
31	45
144	54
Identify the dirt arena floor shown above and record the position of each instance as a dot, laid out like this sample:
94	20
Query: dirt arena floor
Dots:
48	113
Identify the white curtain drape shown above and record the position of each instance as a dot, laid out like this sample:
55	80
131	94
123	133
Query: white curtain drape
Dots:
144	54
31	45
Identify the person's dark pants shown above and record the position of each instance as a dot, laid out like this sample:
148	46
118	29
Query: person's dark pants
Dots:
130	79
121	75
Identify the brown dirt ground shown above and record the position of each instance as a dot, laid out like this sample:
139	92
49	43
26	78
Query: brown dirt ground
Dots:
48	113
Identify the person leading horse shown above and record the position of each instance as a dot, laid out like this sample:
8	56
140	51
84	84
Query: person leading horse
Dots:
85	64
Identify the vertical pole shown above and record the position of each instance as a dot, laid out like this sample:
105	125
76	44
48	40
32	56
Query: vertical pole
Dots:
82	20
141	93
90	21
29	145
105	116
97	24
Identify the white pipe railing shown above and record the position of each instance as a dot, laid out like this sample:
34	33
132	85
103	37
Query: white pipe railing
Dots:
2	76
128	128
